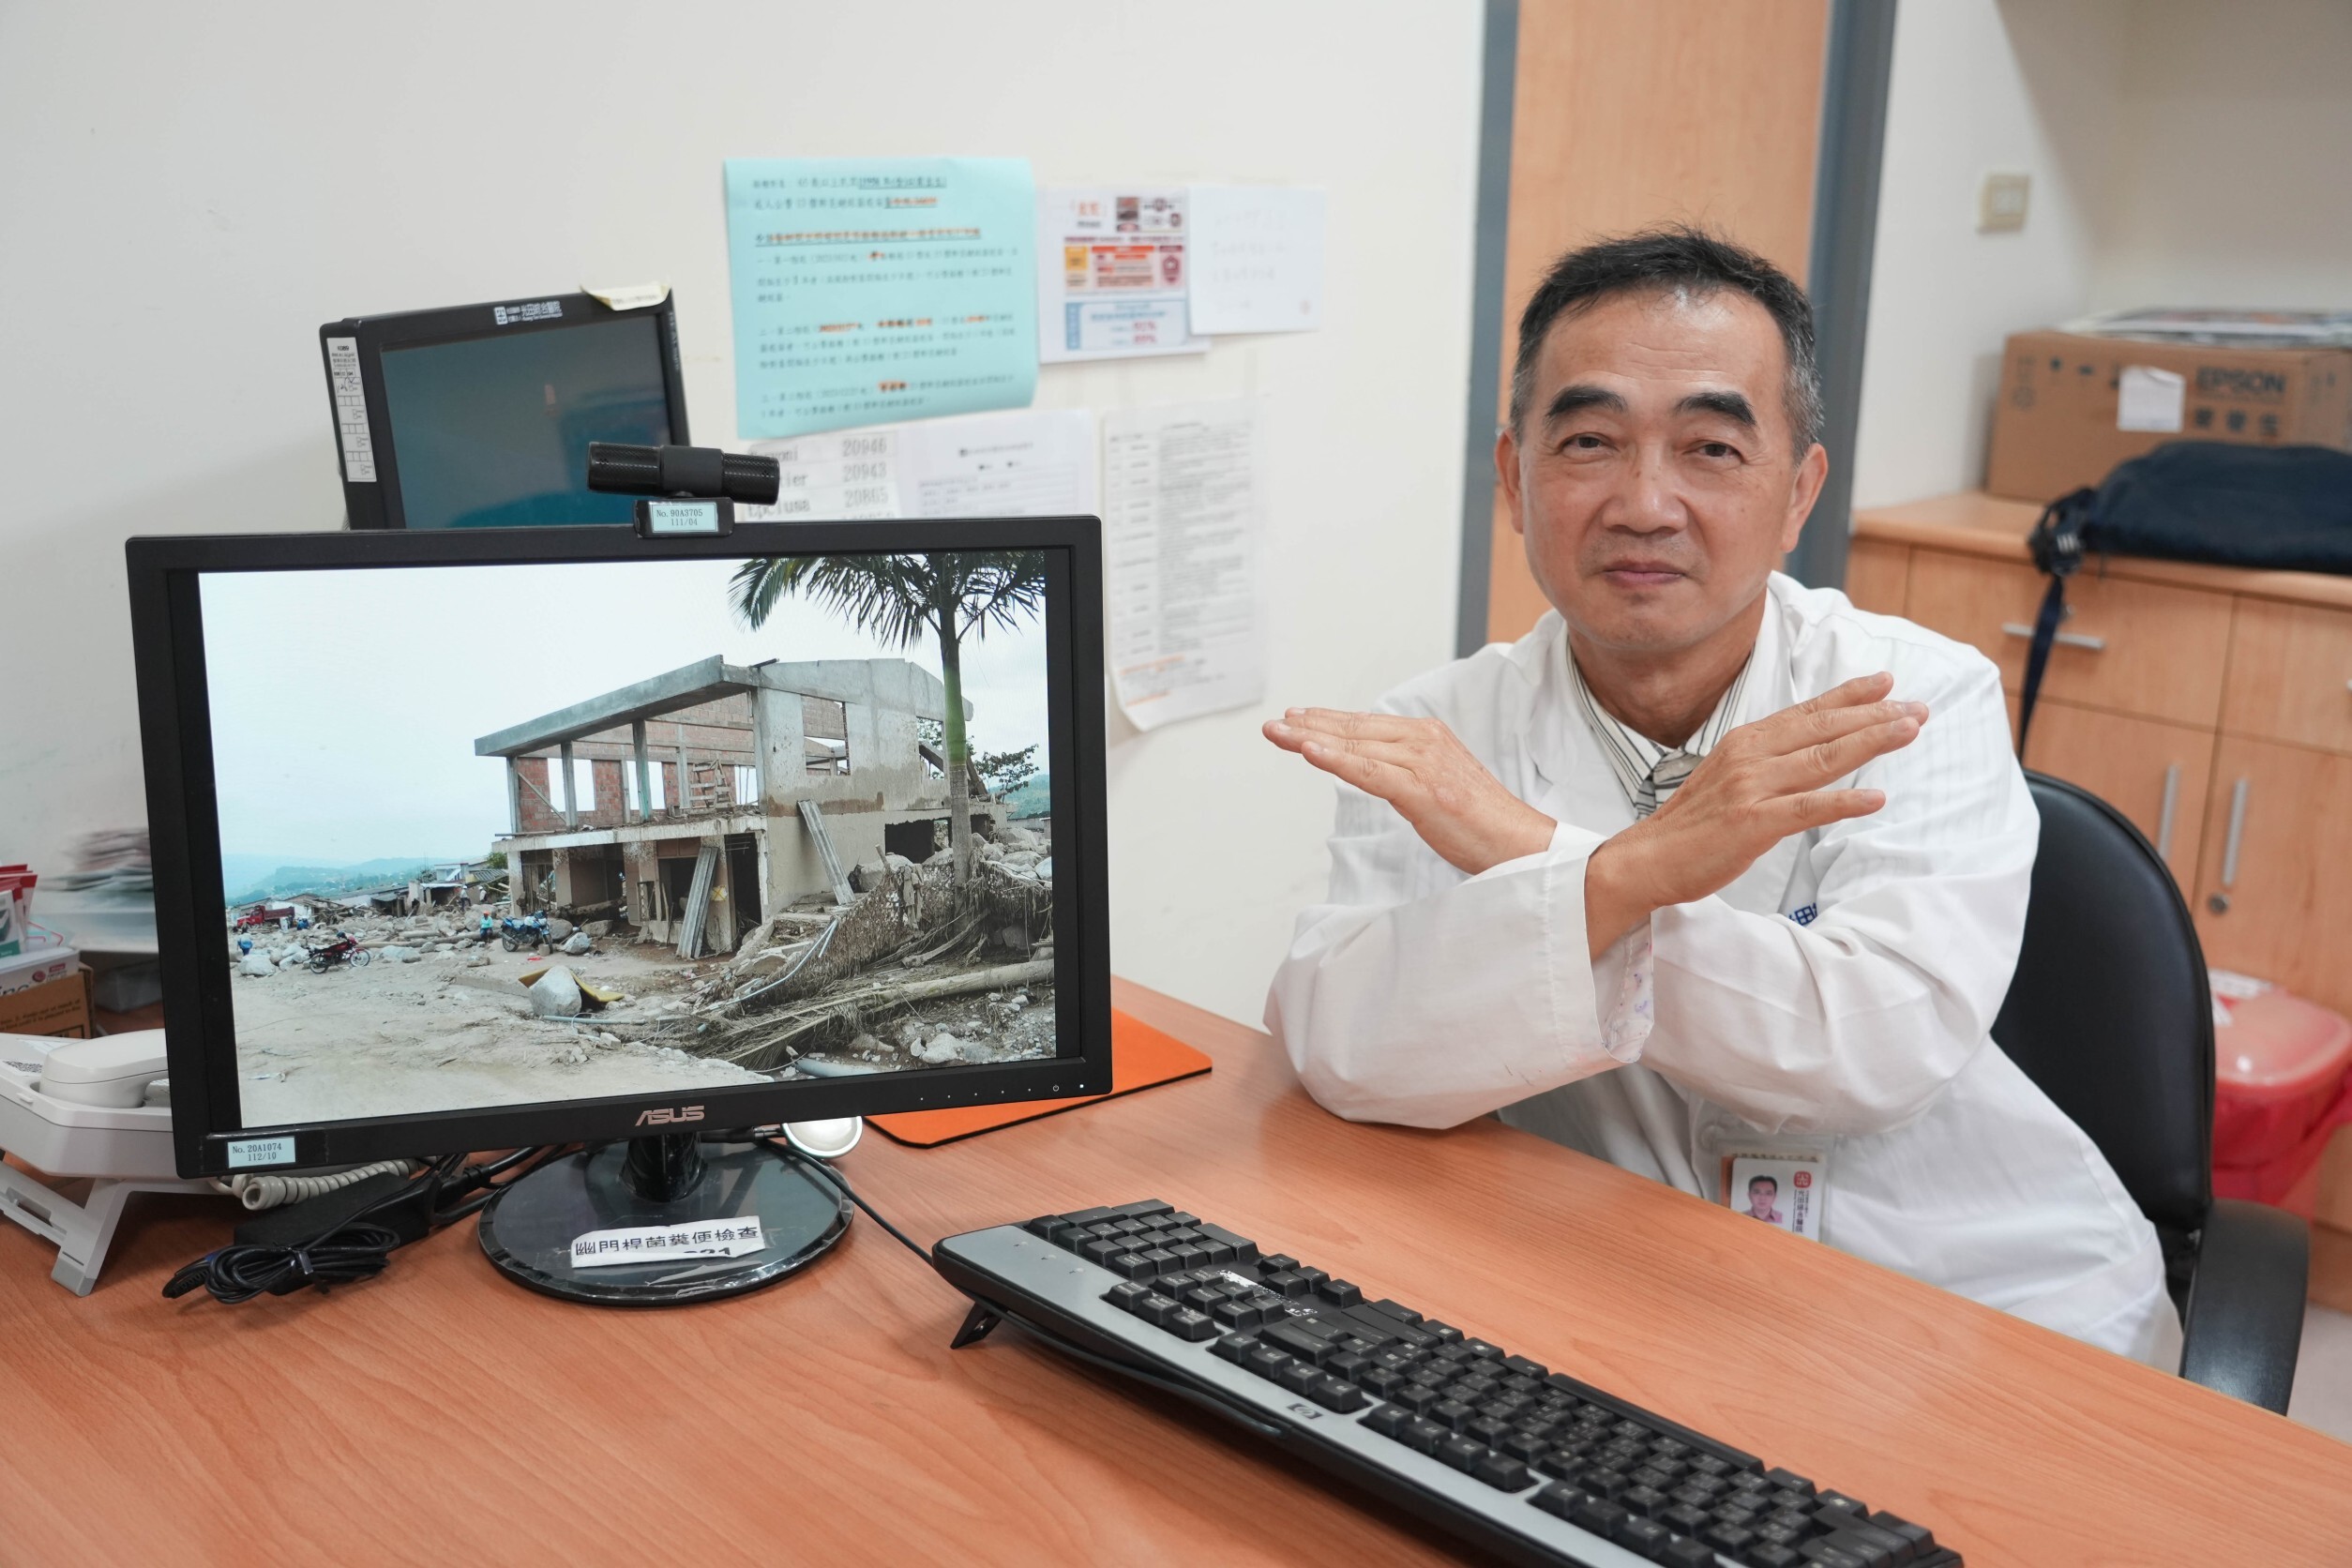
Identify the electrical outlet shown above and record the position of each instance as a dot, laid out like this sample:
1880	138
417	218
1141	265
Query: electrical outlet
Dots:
2000	204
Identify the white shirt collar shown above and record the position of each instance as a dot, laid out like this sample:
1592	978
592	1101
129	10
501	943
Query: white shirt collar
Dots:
1634	757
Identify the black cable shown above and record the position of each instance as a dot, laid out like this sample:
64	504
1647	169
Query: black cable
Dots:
359	1247
539	1155
842	1184
354	1252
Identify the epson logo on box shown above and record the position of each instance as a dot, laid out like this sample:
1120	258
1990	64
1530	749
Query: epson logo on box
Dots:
2231	381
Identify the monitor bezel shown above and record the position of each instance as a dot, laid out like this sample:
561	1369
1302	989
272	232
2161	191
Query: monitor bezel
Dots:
378	505
184	823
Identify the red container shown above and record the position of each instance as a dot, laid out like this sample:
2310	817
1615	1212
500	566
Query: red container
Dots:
2282	1090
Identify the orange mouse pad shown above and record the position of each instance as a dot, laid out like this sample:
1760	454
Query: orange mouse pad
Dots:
1140	1057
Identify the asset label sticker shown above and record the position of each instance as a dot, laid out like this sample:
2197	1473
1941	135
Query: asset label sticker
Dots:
681	517
247	1152
350	410
660	1244
2148	398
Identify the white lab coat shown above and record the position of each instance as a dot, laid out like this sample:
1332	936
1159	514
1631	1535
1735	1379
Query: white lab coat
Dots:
1839	993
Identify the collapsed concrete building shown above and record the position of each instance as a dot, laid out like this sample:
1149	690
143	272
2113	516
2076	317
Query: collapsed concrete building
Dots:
717	792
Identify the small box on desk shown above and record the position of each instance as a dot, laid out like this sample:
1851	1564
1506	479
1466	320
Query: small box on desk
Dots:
59	1006
2062	416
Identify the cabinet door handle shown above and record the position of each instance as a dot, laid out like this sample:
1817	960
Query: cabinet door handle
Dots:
2237	833
2066	639
2164	818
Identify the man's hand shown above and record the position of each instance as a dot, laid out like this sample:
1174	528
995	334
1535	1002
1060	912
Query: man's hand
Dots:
1415	764
1761	783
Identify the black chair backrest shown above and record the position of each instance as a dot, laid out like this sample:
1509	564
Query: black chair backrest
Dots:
2109	1011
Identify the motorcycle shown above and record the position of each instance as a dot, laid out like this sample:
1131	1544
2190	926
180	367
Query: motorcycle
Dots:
343	949
517	932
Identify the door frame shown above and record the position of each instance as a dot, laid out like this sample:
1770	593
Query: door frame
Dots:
1858	64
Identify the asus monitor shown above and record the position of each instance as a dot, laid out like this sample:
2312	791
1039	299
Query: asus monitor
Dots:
684	838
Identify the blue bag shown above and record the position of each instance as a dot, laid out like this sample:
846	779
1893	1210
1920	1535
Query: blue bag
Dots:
2282	508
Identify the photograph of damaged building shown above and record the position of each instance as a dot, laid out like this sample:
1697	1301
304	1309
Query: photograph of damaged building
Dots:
717	793
736	868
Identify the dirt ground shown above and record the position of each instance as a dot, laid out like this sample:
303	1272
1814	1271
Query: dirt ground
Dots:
452	1029
455	1030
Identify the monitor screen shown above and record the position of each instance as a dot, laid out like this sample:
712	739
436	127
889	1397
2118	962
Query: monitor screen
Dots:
527	833
493	432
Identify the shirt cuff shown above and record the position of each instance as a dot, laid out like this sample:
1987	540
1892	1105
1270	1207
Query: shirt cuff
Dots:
1625	1027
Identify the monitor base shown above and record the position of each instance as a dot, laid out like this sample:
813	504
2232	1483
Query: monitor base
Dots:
672	1179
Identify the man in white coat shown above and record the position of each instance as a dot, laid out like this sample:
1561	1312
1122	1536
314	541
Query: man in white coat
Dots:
1709	864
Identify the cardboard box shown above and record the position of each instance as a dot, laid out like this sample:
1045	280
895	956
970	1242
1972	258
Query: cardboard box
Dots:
60	1007
2061	420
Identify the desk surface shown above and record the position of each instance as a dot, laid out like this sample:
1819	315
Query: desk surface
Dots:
441	1410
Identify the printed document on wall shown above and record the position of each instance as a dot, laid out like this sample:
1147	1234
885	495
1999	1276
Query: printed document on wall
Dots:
1184	489
1112	274
1256	259
879	288
1034	462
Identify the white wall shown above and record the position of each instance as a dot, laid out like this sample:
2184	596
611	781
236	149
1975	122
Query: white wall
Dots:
2182	153
1942	297
2234	131
187	193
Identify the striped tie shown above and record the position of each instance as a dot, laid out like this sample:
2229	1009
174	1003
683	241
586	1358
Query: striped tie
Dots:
1666	778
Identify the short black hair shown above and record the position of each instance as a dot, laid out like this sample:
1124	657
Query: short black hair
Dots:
1676	259
1772	1182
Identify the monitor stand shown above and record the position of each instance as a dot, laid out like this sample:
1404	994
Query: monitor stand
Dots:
675	1178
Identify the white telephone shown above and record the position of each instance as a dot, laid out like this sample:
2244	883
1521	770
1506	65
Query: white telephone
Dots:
95	1109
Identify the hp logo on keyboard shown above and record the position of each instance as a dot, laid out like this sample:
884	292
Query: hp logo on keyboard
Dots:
1308	1411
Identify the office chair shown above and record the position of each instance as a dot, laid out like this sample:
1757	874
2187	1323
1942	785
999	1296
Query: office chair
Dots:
2110	1015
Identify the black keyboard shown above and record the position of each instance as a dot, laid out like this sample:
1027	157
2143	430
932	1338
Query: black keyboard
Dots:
1528	1463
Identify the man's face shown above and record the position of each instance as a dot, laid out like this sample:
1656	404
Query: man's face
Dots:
1760	1196
1652	475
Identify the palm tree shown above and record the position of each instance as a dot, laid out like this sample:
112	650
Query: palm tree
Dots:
897	599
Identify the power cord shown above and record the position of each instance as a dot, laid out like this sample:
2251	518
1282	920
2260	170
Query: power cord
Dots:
359	1228
233	1274
841	1184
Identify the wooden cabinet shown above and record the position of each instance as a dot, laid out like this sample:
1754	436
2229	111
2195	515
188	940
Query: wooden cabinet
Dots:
2290	676
2274	876
2208	704
1877	576
2153	773
2126	647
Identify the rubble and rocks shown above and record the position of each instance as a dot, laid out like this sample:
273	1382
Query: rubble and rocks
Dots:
256	965
558	928
579	942
399	954
556	994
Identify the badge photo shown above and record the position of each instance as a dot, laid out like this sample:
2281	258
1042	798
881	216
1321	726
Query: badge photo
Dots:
1785	1191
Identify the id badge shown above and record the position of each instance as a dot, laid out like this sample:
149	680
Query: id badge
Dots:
1777	1177
1785	1188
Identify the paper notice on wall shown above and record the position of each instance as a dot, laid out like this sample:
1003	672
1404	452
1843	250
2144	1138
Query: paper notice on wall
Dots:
1182	492
1035	462
2148	398
1256	259
842	475
879	288
1113	272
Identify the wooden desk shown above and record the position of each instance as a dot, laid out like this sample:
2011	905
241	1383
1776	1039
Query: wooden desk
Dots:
440	1413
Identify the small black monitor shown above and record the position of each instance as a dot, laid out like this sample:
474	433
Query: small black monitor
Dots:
480	417
806	822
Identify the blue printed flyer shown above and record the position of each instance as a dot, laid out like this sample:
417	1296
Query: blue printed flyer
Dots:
875	289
